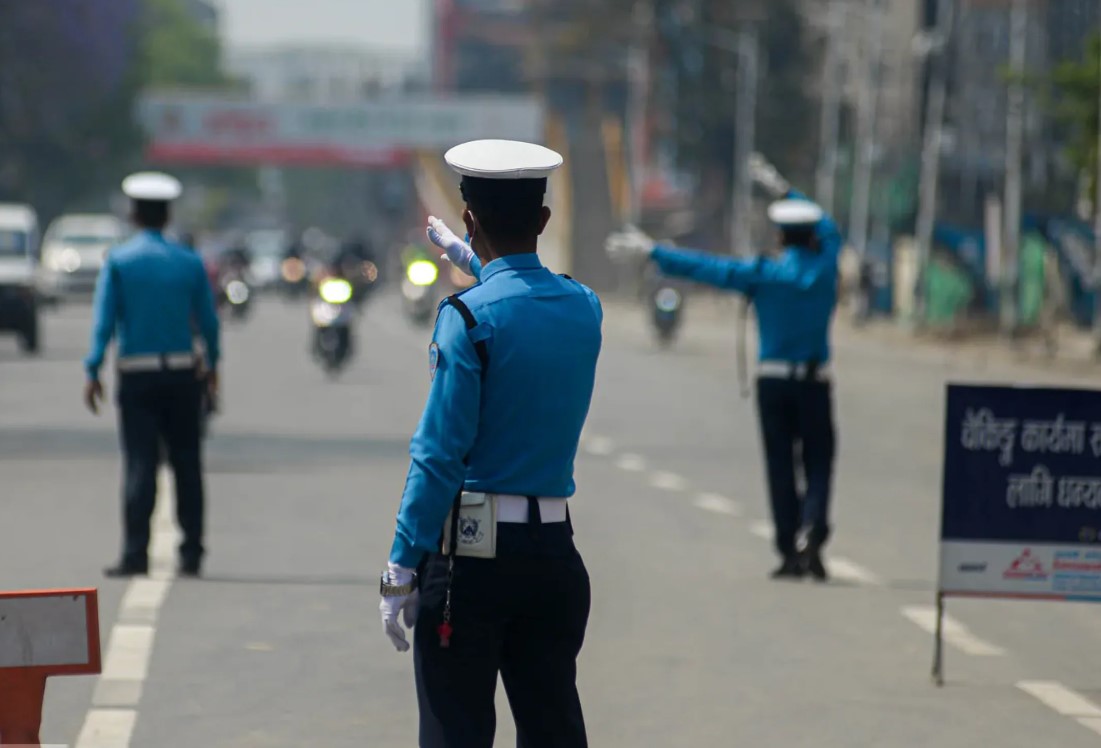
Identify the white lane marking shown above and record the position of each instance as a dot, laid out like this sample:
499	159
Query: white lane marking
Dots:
955	633
126	662
632	463
713	502
761	529
128	653
843	568
599	446
668	481
107	728
1093	723
1063	700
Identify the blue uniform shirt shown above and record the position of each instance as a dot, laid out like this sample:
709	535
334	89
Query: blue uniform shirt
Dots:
794	293
520	424
151	292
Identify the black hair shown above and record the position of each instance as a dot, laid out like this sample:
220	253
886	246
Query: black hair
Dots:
151	214
804	236
508	210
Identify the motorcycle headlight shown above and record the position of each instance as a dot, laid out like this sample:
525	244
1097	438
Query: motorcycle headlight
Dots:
335	291
237	292
422	273
667	299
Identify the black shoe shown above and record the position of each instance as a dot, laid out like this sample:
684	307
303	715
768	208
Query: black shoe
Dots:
124	569
812	561
188	569
789	569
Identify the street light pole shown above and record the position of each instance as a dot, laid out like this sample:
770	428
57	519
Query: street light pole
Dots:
745	115
639	72
1097	224
930	152
1018	52
865	140
831	109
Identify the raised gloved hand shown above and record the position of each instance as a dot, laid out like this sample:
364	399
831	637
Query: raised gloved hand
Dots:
392	605
458	252
766	175
628	243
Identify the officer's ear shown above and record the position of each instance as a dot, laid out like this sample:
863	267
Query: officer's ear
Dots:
470	223
544	219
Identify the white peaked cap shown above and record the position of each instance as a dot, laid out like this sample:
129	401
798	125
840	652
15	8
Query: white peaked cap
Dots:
794	213
502	159
151	185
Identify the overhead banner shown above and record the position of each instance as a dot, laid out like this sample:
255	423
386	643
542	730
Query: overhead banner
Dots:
1021	512
185	128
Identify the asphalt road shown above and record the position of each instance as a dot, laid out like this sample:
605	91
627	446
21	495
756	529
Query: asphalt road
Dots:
689	643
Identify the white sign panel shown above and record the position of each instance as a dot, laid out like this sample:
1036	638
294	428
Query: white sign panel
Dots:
197	129
44	631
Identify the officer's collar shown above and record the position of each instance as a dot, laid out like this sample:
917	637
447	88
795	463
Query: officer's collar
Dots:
525	261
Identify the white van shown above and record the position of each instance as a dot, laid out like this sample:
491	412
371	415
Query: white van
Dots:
18	257
73	250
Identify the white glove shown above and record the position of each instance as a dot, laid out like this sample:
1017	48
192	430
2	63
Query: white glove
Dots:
765	174
406	605
628	243
458	252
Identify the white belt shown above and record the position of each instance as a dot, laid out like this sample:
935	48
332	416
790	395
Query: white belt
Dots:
791	370
157	362
514	509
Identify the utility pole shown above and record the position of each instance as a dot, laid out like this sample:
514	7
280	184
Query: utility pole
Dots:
639	72
867	104
745	115
1097	228
1018	52
930	151
826	175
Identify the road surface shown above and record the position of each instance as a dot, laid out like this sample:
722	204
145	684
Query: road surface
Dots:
689	644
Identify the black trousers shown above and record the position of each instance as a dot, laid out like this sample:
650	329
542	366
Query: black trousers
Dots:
794	414
523	615
155	408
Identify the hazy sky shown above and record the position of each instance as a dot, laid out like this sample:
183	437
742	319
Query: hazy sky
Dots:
383	23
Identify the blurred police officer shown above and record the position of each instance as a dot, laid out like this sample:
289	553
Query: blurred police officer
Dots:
150	292
795	294
512	363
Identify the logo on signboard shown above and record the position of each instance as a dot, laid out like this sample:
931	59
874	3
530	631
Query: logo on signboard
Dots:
1026	567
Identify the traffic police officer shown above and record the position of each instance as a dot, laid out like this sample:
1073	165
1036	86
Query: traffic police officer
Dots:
150	292
795	294
512	363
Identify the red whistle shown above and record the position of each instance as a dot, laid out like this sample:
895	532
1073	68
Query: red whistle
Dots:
444	630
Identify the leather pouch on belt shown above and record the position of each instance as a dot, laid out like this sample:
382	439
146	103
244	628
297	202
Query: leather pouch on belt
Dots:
477	527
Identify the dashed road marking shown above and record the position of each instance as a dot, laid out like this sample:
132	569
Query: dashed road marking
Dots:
761	529
1063	700
843	568
955	633
668	481
713	502
599	446
110	723
632	463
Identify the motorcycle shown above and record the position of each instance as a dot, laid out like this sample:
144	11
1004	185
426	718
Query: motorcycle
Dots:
331	313
419	291
236	293
667	303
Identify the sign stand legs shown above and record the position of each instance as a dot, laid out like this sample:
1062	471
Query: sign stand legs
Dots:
938	643
21	694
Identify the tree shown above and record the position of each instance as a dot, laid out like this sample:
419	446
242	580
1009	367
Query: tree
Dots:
176	51
1077	91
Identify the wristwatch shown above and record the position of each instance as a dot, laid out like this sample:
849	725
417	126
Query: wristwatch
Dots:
395	590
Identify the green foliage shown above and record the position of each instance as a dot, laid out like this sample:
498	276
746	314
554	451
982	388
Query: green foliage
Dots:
176	51
1077	105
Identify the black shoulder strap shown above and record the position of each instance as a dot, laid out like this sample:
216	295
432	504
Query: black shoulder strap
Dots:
468	317
567	277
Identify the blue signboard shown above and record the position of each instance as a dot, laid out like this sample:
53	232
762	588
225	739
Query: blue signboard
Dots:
1021	512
